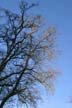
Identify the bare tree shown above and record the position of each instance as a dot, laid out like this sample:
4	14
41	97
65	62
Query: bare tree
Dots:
26	47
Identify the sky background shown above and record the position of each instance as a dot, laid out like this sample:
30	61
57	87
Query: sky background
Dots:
58	13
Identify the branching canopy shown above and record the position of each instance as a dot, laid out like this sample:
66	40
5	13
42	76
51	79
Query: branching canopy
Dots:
25	48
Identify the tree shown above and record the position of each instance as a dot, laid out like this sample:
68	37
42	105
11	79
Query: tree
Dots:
21	61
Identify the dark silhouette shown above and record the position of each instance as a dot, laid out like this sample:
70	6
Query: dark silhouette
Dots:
26	48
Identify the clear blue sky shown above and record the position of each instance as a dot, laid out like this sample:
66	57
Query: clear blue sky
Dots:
58	13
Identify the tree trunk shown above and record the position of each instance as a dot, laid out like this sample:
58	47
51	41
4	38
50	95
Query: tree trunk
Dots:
4	101
2	104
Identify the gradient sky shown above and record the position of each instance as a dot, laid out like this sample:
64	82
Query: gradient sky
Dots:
58	13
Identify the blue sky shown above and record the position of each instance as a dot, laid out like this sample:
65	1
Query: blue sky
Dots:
58	13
